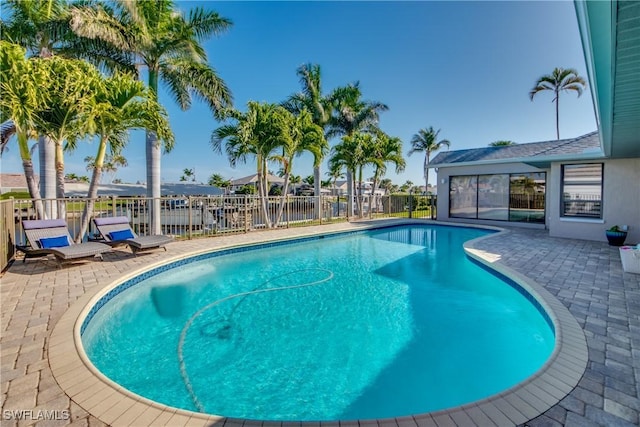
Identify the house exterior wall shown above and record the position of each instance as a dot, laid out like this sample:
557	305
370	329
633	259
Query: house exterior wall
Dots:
620	198
444	174
620	202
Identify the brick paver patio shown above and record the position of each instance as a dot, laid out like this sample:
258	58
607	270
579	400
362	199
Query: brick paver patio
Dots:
585	276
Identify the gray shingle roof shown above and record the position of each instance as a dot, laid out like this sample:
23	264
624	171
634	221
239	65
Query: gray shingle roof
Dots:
585	144
15	181
252	179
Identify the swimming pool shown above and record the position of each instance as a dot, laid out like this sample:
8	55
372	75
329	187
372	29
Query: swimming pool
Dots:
393	322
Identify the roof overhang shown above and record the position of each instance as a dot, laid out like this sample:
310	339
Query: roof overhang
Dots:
610	33
542	162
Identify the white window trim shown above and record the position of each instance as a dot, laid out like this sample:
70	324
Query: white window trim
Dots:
581	219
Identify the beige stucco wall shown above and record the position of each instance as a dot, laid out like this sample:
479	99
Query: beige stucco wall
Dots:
620	203
443	189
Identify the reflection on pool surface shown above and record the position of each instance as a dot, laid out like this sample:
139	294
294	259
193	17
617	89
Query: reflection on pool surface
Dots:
375	324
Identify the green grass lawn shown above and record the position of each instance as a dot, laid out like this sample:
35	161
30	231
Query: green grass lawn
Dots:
418	213
72	206
16	195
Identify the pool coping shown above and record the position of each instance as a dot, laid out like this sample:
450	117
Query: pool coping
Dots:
114	405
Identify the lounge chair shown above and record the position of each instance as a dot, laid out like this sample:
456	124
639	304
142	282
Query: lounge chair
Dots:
116	231
51	237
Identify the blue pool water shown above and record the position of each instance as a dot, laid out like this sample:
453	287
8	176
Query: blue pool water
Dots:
377	324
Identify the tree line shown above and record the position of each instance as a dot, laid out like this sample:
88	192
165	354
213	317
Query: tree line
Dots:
72	71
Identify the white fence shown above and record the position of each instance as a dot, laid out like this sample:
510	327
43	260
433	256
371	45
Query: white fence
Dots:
192	217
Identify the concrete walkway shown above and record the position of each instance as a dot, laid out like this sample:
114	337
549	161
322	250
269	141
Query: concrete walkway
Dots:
586	277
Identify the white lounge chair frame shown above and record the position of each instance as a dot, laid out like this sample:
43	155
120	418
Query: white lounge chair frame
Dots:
137	243
35	230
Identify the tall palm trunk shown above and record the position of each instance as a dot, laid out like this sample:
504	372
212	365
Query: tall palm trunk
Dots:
59	156
350	176
285	192
317	185
262	190
376	178
46	157
558	114
27	165
154	192
359	199
154	165
426	172
32	186
374	187
93	190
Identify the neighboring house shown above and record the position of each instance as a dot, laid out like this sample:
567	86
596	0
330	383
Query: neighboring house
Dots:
14	182
81	189
237	184
339	188
574	187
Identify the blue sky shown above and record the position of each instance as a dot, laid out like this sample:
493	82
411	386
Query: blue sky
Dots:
463	67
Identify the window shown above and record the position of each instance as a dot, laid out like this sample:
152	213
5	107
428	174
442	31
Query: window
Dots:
582	190
499	197
463	196
526	197
493	197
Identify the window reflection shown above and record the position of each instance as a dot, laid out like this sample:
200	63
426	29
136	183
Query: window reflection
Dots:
501	197
463	195
527	197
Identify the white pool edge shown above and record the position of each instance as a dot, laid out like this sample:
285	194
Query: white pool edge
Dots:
114	405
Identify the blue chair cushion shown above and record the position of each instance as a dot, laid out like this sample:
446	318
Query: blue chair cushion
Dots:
121	235
54	242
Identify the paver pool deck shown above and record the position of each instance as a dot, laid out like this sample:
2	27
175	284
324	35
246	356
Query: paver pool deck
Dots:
585	276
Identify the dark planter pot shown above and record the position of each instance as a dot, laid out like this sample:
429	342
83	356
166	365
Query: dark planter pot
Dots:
616	238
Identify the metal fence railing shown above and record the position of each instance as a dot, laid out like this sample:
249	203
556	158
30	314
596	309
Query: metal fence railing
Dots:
582	205
193	217
7	232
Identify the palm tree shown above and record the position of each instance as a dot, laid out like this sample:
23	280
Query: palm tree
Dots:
169	45
112	162
501	143
116	160
120	103
219	181
351	115
39	26
311	99
559	80
301	135
425	140
407	186
70	88
334	175
255	133
42	28
188	175
352	154
387	184
386	149
20	99
270	133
